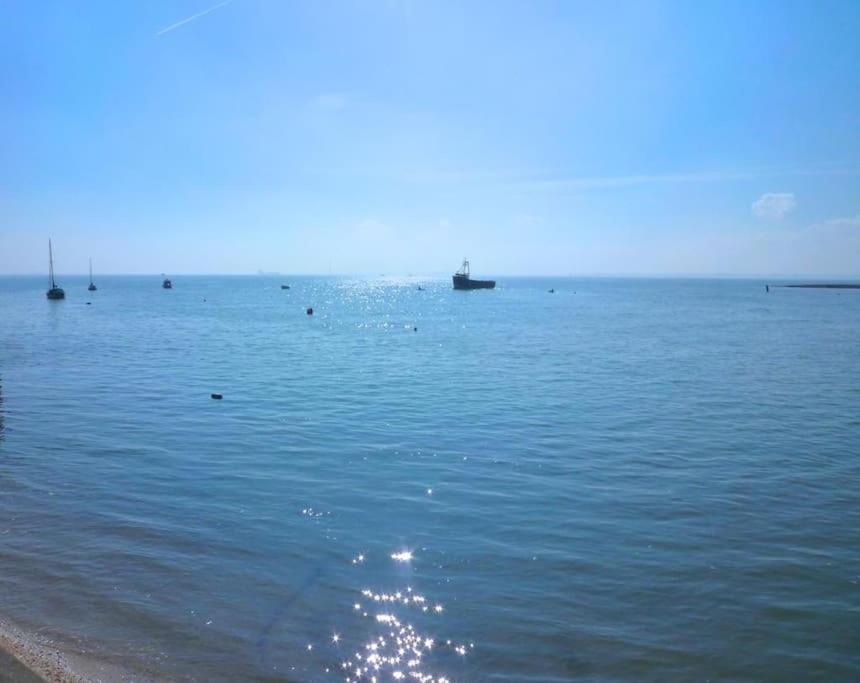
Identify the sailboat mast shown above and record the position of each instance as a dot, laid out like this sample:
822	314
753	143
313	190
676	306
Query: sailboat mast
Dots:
91	271
51	264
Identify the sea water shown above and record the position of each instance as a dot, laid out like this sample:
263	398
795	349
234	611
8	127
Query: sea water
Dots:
623	480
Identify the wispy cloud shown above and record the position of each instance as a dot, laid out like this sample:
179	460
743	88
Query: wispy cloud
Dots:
599	182
170	28
596	182
774	205
844	222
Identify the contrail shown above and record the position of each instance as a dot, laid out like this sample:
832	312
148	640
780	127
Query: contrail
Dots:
192	17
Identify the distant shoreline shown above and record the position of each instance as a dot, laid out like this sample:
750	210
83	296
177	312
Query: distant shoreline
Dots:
822	286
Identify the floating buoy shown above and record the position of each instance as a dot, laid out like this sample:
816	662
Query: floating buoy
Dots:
414	329
767	288
552	291
310	311
89	303
217	397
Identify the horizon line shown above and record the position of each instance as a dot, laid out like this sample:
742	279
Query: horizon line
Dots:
440	275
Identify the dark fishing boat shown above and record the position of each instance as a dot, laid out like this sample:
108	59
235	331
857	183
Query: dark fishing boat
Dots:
463	279
167	284
92	287
54	292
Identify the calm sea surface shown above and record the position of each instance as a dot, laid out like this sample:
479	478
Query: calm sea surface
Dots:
625	480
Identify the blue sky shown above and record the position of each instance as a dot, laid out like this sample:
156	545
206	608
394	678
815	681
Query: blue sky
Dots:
397	137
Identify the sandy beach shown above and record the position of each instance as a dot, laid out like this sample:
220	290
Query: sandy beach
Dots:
24	658
29	658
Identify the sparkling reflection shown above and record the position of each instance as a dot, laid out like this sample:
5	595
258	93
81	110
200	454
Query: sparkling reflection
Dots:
395	646
310	512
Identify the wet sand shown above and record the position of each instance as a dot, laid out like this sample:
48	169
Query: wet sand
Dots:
12	671
23	658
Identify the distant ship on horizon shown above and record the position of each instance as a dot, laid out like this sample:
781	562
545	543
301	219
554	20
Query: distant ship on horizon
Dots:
463	279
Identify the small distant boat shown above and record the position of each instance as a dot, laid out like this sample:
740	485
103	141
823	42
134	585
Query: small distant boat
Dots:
463	279
54	292
167	284
285	286
92	286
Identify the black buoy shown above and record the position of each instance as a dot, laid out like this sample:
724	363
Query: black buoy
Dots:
552	291
310	311
217	397
414	329
767	288
89	303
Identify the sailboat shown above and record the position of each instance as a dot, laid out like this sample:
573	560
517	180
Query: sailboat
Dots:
54	292
92	286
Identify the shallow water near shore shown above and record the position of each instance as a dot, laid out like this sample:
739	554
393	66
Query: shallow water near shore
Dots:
624	480
12	671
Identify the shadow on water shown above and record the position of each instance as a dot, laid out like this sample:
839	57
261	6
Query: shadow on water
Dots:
280	611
